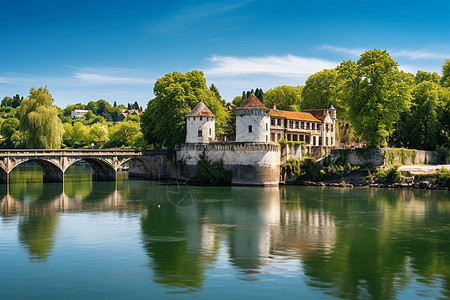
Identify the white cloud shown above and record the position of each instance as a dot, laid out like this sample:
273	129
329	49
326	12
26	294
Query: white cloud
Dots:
285	66
419	54
408	54
348	51
111	76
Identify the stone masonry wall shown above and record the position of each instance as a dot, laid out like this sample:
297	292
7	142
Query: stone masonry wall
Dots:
379	157
250	163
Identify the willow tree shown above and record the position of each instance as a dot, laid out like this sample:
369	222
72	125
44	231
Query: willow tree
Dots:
39	120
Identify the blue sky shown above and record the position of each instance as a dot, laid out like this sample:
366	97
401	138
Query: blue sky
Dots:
115	50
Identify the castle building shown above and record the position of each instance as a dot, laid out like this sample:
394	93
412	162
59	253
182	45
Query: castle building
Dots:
200	125
252	121
315	127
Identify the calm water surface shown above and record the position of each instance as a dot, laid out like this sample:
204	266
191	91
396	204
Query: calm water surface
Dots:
145	240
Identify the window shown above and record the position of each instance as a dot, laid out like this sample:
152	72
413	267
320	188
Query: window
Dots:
327	128
250	128
201	118
307	139
295	136
331	127
296	124
319	126
331	144
307	125
279	122
272	137
272	121
326	141
314	140
200	133
313	126
210	132
302	138
320	141
288	137
267	126
278	136
291	124
302	125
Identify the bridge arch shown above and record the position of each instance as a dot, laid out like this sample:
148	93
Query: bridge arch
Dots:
3	175
51	171
101	170
142	168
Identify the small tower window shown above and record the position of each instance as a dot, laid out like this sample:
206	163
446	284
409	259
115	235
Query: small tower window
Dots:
200	133
267	126
250	128
201	118
210	132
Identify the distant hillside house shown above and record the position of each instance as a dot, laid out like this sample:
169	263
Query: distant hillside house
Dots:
124	113
78	113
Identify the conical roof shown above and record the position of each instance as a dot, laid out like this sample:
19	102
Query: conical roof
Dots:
252	102
200	110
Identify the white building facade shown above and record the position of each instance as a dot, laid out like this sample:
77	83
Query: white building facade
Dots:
200	125
252	121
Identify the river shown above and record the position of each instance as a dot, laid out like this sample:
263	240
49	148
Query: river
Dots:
136	239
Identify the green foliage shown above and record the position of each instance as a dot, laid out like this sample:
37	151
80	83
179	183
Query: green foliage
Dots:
375	92
286	97
386	175
320	91
422	76
98	133
212	172
399	156
164	121
294	167
445	80
443	155
39	120
9	126
421	127
124	134
443	177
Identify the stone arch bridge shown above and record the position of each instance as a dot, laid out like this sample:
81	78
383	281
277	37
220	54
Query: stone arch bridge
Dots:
150	164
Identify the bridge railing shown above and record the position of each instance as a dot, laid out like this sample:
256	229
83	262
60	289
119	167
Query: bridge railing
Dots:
69	152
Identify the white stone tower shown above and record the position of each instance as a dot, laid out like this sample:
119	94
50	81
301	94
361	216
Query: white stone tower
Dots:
252	121
200	125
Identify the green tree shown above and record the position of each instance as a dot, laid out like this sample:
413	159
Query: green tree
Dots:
80	135
376	93
16	101
164	121
445	80
68	137
39	120
286	97
9	126
320	91
98	133
427	76
123	134
7	101
420	127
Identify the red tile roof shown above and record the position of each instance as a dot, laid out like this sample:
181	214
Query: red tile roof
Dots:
200	110
318	113
252	102
294	115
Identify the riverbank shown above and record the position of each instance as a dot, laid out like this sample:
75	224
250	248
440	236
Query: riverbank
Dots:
311	174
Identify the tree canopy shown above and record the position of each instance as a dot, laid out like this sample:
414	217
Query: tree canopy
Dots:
164	121
286	97
39	120
376	93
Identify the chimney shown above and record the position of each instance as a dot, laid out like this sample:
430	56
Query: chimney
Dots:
274	106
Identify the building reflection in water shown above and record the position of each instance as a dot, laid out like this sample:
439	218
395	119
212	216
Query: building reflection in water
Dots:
348	243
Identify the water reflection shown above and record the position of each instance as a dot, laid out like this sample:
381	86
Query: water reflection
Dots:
348	243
